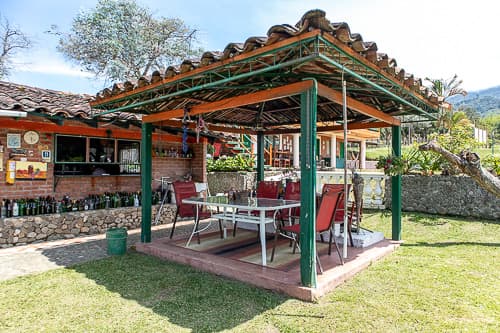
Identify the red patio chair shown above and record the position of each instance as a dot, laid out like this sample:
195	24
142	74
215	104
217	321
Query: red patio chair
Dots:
324	222
339	215
292	192
184	190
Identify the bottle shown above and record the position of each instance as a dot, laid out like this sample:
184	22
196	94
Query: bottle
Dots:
15	209
3	210
8	207
21	206
28	207
136	200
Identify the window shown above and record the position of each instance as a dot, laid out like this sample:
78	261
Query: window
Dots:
70	149
102	150
76	155
128	156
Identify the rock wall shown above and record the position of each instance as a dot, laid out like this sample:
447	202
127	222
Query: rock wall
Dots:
446	195
40	228
220	182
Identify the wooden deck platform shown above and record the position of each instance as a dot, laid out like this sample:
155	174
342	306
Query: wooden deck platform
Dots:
239	258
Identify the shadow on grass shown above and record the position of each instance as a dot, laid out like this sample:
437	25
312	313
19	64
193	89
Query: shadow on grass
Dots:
446	244
189	298
435	220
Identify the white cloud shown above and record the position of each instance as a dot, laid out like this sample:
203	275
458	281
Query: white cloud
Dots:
53	66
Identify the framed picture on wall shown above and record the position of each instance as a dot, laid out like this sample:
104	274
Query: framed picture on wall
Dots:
31	170
13	140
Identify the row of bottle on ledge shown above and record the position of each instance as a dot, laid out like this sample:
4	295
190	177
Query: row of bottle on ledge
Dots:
49	205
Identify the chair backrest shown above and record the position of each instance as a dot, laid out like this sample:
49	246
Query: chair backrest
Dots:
327	209
269	189
339	215
182	191
292	192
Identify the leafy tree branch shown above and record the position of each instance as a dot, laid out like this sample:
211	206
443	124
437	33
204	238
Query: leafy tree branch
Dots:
121	40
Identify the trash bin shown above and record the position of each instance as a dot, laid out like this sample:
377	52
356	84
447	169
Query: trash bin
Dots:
117	241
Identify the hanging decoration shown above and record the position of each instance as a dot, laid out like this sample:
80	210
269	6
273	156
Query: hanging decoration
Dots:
185	120
200	126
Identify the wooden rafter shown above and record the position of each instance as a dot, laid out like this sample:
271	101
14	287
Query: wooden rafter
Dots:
334	128
78	130
233	102
336	96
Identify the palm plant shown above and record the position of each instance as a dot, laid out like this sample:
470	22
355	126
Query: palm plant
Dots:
446	89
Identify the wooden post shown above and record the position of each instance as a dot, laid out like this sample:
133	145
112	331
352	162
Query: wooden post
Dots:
308	107
260	156
146	178
396	187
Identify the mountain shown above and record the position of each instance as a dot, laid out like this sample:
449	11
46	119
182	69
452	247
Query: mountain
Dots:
483	101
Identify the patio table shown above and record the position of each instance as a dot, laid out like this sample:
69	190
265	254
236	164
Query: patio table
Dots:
230	209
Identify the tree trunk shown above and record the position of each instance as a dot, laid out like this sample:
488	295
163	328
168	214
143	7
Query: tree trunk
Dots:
469	163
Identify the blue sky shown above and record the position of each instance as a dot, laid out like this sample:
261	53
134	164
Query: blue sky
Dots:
433	38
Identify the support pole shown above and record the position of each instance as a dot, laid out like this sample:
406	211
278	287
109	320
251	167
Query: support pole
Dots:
396	187
146	178
296	151
308	107
260	156
362	154
346	194
333	151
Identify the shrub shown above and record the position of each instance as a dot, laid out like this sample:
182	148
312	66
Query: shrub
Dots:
234	163
492	163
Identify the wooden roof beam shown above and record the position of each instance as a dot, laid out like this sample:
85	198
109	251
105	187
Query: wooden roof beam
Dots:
78	130
211	127
336	96
334	128
233	102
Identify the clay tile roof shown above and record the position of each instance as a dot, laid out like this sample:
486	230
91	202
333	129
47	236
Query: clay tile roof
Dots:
25	98
340	33
48	102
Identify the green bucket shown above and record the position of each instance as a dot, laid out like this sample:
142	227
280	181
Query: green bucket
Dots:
117	241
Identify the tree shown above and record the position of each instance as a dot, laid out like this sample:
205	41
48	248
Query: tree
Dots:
12	40
120	40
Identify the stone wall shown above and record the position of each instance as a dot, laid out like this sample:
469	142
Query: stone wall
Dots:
446	195
220	182
40	228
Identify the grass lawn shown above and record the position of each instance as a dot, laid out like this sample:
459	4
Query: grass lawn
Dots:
445	277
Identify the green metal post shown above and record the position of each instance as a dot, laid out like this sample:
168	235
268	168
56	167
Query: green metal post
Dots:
396	186
146	177
308	106
260	156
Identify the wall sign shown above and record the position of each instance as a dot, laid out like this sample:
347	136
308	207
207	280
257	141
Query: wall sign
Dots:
13	140
46	155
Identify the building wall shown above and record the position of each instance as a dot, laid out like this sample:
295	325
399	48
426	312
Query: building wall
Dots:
78	187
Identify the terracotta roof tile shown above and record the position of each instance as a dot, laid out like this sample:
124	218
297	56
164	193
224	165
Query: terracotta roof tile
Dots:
311	20
19	97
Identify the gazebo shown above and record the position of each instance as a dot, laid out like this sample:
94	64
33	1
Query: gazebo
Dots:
313	77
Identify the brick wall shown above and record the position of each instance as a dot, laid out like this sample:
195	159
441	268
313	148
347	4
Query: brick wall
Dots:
79	186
